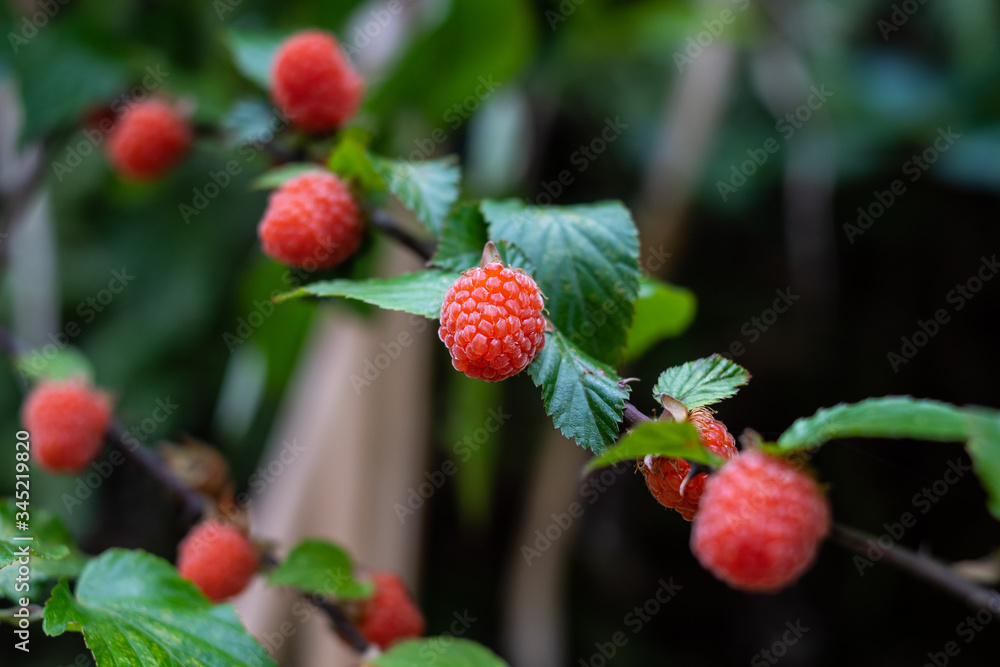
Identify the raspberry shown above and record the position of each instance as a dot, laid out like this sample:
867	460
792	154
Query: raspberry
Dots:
217	558
311	222
492	323
148	140
314	84
390	615
67	421
760	523
665	475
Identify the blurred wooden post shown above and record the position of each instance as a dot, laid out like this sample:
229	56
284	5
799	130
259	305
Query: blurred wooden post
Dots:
360	452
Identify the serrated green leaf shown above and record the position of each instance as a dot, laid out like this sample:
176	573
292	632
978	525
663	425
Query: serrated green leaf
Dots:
420	293
886	417
659	438
317	566
54	553
438	651
275	178
135	610
427	188
984	447
587	265
513	256
581	394
661	311
463	237
702	382
51	539
63	364
253	52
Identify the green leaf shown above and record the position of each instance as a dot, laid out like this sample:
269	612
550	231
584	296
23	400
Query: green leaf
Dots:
51	539
886	417
581	394
702	382
316	566
275	178
661	311
54	553
253	52
60	79
135	610
420	293
463	237
427	188
351	161
62	364
437	651
659	438
587	260
513	256
984	448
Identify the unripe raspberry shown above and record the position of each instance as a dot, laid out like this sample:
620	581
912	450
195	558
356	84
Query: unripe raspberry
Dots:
313	82
67	421
148	140
492	322
664	475
761	522
390	615
217	558
311	222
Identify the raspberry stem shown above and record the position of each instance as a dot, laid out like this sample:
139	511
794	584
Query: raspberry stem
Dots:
633	416
388	225
920	566
194	502
342	625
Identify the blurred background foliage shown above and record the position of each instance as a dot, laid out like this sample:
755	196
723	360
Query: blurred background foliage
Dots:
897	73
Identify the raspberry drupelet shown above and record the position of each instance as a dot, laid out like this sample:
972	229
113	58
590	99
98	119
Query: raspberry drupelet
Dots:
67	421
390	615
492	322
761	522
217	558
148	140
311	222
314	84
664	475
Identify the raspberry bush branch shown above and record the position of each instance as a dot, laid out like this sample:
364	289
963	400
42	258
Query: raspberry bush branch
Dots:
203	541
922	567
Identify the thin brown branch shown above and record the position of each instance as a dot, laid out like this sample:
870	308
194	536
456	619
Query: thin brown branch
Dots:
192	501
385	222
922	567
342	625
118	436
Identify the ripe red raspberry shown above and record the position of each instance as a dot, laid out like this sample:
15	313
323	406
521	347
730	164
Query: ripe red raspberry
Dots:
664	475
492	322
311	222
390	615
217	558
761	522
67	421
148	140
313	82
